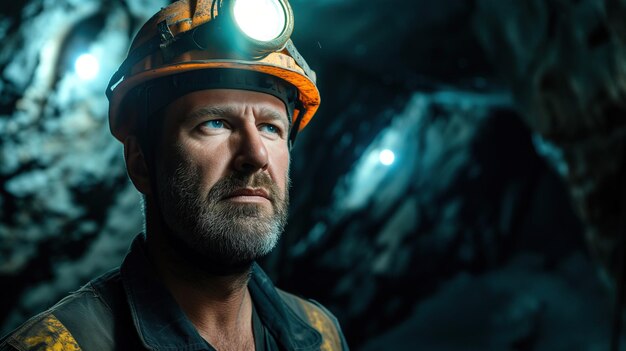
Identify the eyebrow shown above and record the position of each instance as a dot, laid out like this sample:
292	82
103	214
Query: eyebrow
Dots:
225	111
213	111
274	115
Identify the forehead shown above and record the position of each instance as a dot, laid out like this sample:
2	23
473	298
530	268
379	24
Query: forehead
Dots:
231	100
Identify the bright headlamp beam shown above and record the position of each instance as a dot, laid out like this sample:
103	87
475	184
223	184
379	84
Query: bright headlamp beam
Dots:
262	20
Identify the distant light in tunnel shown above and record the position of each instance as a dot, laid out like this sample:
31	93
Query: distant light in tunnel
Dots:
87	66
386	157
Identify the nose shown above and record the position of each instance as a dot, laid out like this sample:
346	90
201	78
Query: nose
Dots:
251	152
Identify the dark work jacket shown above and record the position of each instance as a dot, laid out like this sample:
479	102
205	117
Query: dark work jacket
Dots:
128	308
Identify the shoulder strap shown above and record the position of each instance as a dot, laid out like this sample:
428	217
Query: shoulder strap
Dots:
44	333
82	320
318	317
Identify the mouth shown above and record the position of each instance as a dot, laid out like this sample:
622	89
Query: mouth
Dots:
248	195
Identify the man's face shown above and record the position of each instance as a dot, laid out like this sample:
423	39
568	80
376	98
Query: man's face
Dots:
222	173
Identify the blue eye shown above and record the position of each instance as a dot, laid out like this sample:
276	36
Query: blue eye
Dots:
214	124
270	128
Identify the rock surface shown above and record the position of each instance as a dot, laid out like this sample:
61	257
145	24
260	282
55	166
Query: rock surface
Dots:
565	63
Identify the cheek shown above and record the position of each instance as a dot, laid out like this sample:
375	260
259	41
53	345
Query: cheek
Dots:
212	164
281	162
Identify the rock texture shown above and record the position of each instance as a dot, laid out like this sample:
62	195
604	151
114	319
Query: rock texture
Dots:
565	63
467	203
66	206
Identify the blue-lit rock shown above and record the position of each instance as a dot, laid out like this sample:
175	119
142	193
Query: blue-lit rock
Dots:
466	193
67	209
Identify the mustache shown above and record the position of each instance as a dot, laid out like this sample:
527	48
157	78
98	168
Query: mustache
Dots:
236	181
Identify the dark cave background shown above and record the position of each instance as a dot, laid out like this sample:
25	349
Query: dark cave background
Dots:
495	228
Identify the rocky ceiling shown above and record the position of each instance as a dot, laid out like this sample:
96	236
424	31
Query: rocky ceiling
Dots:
460	188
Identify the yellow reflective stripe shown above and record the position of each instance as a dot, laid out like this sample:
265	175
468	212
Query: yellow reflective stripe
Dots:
48	334
322	323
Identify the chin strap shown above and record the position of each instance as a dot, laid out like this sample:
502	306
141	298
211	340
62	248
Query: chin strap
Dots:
295	126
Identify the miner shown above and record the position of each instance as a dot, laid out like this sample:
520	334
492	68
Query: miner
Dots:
207	104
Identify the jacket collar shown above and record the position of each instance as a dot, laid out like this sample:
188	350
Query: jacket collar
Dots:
287	328
162	325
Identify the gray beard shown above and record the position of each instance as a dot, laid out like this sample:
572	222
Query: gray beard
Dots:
230	234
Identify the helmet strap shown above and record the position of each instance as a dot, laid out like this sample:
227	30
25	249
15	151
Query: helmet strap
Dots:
295	127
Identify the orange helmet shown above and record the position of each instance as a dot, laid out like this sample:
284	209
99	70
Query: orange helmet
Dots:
191	36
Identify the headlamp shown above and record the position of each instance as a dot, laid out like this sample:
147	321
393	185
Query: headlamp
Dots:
246	28
261	20
238	30
241	29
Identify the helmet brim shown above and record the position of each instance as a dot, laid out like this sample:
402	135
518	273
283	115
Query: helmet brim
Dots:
275	64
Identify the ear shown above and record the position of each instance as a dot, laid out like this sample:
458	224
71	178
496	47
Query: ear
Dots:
136	165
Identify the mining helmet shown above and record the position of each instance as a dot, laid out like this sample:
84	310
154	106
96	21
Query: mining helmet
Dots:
203	44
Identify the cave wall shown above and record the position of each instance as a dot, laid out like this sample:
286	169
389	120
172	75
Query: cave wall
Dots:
469	239
67	208
565	63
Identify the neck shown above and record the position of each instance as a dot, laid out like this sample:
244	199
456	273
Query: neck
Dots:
219	305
